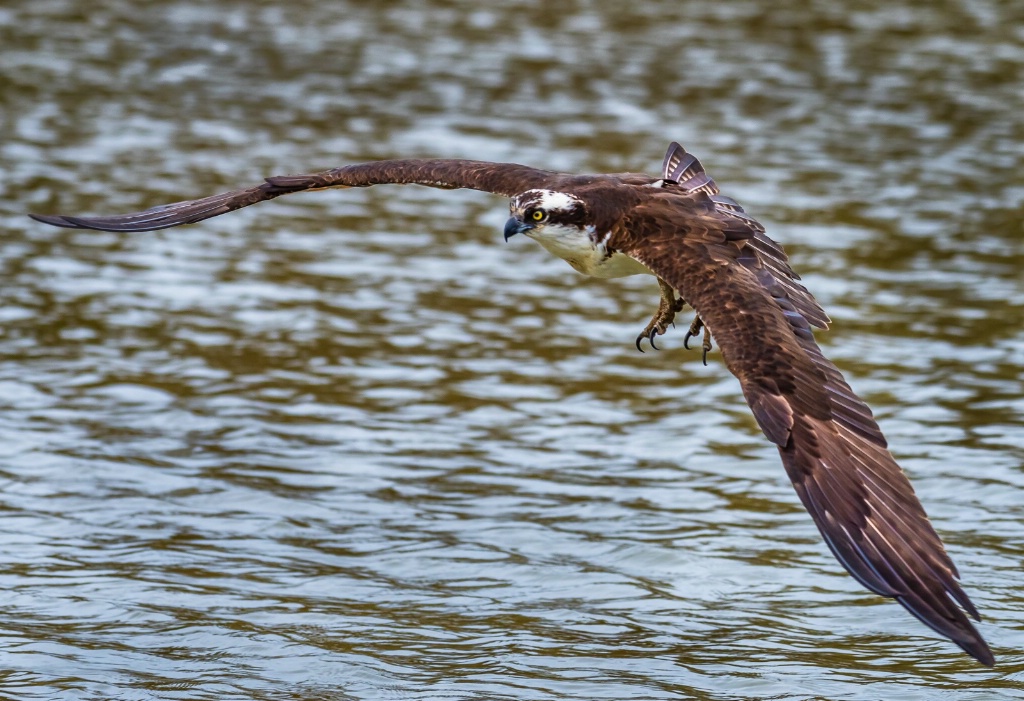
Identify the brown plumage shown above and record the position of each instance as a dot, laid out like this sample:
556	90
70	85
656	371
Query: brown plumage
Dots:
739	281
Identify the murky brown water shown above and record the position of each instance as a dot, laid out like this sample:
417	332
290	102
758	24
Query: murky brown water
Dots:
350	445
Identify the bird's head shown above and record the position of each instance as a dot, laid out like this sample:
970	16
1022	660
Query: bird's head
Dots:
537	213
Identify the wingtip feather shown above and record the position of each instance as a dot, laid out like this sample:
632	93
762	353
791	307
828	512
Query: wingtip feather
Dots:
55	220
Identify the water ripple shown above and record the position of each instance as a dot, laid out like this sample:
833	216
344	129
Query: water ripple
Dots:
350	445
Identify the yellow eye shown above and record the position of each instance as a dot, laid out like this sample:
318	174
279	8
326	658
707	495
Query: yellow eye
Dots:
538	214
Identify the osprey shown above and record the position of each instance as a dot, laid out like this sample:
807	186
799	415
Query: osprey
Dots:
703	246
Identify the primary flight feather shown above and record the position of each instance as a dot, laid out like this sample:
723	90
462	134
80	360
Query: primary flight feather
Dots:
703	246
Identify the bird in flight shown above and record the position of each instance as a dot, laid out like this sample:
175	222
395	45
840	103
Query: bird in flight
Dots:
702	246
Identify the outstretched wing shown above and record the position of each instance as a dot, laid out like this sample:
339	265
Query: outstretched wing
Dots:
685	170
832	448
500	178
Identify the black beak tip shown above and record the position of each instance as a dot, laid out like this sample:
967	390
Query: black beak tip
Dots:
513	226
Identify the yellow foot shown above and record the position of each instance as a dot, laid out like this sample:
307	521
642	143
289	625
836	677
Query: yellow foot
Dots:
665	316
695	327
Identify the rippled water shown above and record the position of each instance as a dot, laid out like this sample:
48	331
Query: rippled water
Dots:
350	445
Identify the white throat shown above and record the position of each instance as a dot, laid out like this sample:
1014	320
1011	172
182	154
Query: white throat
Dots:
585	252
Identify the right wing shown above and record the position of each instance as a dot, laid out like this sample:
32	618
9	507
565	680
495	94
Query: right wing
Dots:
499	178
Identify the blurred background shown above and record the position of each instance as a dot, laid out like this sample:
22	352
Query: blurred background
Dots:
351	445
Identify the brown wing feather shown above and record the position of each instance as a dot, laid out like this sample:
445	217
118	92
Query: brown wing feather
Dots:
684	169
833	450
500	178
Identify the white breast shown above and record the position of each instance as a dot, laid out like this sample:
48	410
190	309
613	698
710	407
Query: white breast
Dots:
580	250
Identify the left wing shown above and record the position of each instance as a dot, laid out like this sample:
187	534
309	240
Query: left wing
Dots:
833	451
685	170
500	178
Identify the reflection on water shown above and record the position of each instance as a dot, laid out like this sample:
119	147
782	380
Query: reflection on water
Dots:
349	445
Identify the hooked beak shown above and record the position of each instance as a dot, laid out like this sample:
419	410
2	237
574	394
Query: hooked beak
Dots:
514	226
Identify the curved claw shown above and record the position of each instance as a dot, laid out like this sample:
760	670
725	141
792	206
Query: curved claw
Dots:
654	332
707	344
638	339
695	326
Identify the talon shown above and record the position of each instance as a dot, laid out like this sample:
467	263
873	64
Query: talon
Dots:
706	345
695	327
665	316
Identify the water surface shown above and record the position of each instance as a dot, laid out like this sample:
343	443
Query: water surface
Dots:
350	445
